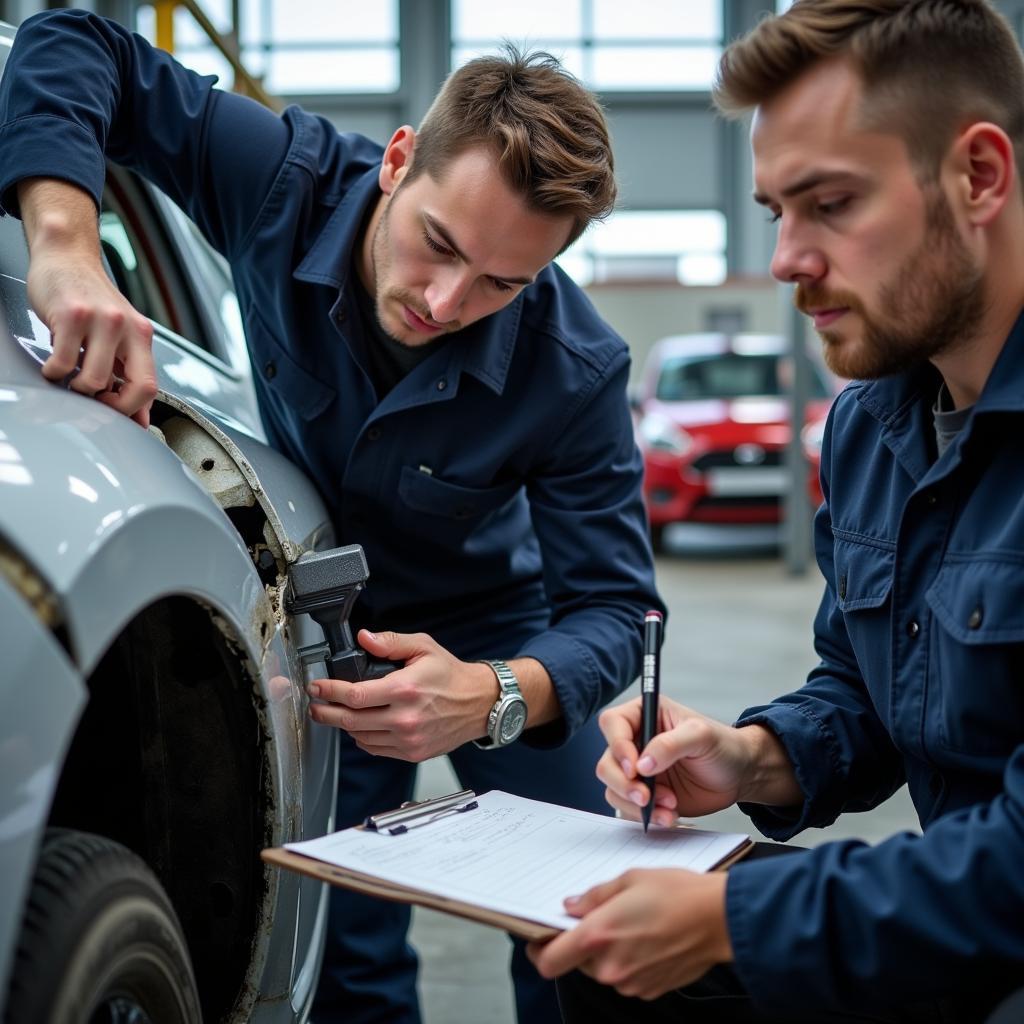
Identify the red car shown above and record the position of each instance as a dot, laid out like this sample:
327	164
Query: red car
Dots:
713	426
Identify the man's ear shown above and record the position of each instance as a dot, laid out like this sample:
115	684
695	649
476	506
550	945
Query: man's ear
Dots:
983	161
397	159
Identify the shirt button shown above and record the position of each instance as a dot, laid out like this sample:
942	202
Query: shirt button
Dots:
442	384
913	628
842	587
270	371
340	315
974	619
373	433
932	498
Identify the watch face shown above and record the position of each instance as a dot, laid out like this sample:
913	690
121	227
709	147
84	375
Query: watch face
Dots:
512	722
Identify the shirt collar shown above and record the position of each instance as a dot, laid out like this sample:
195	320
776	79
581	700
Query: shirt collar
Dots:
886	397
329	260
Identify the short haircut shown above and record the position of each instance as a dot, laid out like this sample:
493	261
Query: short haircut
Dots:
929	67
546	131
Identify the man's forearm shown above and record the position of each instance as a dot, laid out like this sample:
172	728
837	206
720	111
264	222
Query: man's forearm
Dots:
58	214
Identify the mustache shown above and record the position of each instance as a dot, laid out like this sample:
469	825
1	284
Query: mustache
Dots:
410	300
808	297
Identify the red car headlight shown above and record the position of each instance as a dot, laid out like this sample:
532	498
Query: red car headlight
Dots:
659	433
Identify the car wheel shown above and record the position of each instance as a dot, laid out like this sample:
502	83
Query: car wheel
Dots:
100	942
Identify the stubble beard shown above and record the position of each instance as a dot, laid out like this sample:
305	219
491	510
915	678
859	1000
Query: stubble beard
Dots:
380	258
936	300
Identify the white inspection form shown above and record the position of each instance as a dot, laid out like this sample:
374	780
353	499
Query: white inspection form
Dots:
518	856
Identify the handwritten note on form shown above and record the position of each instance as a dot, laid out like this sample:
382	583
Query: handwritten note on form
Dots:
518	856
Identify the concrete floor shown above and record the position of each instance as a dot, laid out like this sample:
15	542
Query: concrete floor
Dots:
739	633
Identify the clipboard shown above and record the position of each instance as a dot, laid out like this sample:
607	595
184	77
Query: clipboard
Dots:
393	826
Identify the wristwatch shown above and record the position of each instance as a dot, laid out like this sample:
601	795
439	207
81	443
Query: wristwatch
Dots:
508	716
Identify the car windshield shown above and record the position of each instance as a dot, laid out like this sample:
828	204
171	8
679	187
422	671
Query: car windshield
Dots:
728	375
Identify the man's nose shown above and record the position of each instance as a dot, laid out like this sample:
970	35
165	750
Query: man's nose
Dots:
796	257
446	294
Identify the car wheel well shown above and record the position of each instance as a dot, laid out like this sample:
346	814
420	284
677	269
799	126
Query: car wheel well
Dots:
170	759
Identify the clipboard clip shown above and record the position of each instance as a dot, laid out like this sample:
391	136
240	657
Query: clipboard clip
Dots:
415	813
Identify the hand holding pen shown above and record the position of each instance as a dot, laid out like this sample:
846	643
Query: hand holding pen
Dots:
649	687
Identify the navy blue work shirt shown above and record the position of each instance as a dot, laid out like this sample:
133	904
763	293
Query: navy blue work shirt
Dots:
921	638
496	488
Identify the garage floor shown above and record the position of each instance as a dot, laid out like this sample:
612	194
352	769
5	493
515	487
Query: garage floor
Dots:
739	633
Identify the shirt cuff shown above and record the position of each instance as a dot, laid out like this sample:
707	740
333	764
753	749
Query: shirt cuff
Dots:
575	677
813	753
47	146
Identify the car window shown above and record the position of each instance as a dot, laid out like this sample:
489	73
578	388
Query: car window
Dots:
728	375
212	275
129	267
143	262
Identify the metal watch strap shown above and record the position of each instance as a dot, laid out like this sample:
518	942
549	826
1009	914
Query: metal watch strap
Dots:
507	681
508	686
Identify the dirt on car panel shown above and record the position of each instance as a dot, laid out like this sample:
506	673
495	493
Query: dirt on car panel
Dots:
32	587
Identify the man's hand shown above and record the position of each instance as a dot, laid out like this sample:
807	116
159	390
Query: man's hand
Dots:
699	765
431	706
645	933
94	328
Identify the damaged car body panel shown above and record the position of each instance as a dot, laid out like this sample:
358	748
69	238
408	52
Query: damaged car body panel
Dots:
156	696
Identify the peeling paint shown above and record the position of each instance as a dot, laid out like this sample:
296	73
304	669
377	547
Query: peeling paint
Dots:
210	462
287	550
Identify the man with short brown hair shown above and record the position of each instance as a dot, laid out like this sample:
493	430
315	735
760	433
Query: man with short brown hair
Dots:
455	396
885	138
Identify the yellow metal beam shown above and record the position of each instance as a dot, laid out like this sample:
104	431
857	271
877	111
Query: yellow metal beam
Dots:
244	82
165	24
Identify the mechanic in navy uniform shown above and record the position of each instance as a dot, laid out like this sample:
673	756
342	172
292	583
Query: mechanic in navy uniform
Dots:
887	139
456	398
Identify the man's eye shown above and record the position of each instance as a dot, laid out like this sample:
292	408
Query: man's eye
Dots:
435	245
834	206
774	216
501	286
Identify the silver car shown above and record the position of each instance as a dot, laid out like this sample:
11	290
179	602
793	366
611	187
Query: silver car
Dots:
153	728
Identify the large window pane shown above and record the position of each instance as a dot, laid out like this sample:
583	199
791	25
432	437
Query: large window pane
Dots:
341	21
682	245
658	19
482	20
653	67
324	69
640	45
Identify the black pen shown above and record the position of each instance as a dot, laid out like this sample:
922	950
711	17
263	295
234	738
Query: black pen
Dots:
650	681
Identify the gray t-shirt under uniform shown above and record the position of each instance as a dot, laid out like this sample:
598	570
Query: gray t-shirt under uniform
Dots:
948	421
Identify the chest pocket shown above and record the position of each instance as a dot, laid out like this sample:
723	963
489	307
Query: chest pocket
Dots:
290	386
977	655
863	574
444	512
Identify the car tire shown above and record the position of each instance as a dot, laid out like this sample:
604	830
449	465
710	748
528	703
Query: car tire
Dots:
100	941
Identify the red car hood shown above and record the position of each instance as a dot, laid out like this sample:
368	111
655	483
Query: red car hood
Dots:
763	421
